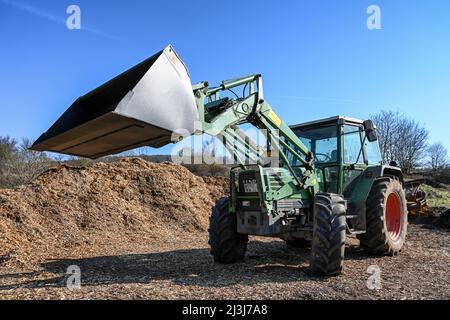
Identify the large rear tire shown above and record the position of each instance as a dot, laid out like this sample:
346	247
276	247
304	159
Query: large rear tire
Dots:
227	246
328	246
387	218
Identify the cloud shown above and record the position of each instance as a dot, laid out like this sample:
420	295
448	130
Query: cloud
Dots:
50	17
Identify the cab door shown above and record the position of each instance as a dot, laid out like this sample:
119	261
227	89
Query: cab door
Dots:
353	156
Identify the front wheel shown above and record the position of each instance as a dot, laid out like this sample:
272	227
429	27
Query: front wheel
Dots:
387	218
328	246
227	245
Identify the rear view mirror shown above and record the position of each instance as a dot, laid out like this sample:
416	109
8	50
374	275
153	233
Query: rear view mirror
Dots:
370	130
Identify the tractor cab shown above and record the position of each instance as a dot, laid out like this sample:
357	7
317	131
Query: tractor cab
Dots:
342	147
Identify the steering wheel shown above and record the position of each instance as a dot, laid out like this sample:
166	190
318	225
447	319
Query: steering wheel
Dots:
327	157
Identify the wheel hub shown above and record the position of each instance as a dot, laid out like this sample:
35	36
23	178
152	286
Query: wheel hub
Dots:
393	216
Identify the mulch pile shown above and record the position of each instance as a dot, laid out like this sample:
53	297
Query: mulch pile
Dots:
86	210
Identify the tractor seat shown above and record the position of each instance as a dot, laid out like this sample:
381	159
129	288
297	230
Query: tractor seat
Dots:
334	156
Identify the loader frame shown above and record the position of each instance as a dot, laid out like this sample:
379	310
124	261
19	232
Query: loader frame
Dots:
252	109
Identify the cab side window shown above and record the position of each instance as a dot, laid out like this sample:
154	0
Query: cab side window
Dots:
352	144
373	152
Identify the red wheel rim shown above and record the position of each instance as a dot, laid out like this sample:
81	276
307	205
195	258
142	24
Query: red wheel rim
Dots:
393	216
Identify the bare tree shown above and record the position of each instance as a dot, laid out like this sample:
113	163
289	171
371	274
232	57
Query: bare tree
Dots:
8	150
437	156
402	139
410	144
19	165
387	126
8	146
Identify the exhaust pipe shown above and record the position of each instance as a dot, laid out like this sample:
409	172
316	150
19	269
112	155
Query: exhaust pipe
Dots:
141	107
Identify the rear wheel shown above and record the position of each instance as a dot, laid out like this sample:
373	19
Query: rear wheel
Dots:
227	246
328	246
387	218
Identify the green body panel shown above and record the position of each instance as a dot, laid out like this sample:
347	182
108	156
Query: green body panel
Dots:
364	182
267	194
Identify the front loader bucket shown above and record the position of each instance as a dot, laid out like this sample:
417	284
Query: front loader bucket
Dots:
141	107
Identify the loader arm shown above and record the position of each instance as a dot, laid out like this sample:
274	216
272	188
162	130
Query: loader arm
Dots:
253	109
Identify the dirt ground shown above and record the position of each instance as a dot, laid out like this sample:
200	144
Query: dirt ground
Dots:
112	221
183	269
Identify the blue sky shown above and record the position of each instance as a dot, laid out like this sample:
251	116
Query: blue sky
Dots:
318	58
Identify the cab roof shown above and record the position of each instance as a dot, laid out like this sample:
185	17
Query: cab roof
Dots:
332	120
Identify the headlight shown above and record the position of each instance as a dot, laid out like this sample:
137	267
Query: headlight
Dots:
250	186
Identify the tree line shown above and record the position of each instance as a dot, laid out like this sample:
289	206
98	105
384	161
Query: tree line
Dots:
405	141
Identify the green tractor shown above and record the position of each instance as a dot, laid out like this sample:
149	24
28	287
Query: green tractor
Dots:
310	184
348	191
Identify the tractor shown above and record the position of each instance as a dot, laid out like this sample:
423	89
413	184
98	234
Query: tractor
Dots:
310	185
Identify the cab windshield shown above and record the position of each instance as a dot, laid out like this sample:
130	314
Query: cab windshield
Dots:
322	142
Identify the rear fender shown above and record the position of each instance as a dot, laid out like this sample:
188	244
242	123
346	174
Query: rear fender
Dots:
357	199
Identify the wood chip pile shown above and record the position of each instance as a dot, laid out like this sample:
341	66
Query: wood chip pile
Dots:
82	210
